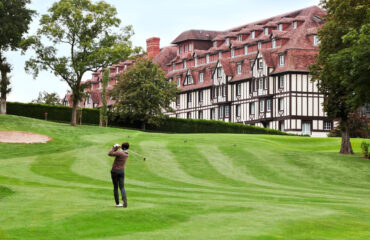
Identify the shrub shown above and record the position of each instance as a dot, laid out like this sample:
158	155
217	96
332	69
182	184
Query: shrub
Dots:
365	149
55	112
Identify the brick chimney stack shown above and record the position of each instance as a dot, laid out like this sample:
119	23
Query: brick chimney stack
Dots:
152	46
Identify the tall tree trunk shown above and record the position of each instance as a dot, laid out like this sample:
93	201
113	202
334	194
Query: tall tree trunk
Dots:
346	147
74	114
3	105
143	126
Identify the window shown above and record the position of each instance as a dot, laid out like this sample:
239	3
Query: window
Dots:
200	96
295	25
239	69
251	108
262	106
273	43
238	110
207	58
281	60
188	115
281	82
215	44
219	54
178	82
173	66
219	72
180	49
245	49
196	61
260	83
224	90
184	63
315	40
221	112
219	88
190	47
227	111
306	128
178	100
238	89
190	79
266	31
189	97
260	63
227	41
201	77
200	114
240	38
255	84
268	105
280	27
259	44
232	53
253	34
327	125
213	114
185	48
281	104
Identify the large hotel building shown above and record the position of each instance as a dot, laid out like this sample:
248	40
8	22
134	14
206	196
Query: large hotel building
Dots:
252	74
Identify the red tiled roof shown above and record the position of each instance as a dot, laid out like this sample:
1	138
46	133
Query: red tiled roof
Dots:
196	35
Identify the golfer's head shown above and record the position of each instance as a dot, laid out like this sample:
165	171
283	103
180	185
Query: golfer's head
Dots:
125	146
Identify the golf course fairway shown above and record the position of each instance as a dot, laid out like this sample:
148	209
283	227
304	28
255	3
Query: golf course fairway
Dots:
191	186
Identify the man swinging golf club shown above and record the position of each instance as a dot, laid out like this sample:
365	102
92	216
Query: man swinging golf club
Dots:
118	171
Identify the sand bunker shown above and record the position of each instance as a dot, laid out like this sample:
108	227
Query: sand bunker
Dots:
22	137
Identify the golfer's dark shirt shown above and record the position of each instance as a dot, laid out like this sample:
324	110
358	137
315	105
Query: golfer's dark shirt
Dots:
120	159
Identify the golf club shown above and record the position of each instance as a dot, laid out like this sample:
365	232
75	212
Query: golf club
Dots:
144	158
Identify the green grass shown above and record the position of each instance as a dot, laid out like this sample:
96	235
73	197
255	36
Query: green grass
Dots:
264	188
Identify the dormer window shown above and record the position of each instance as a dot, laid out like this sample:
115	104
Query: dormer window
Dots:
295	25
178	82
188	79
240	38
219	72
201	77
273	43
259	44
260	63
190	47
227	41
266	30
280	27
215	44
219	54
253	34
281	60
184	63
180	49
185	49
196	61
245	49
232	53
239	69
316	40
173	67
207	58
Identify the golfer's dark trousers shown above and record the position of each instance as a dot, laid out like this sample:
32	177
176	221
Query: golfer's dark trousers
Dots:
118	179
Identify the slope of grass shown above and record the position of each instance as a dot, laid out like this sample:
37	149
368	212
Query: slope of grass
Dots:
192	186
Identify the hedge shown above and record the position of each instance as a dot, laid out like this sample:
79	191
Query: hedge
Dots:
171	125
57	113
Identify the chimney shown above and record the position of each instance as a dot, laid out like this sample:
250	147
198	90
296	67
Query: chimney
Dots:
152	46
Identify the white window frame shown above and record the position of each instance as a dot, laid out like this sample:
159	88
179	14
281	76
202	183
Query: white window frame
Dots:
281	60
260	83
238	110
207	58
295	25
173	67
316	40
232	52
215	44
262	106
281	104
259	45
201	77
178	82
240	38
281	82
266	31
328	125
201	96
238	89
184	63
245	49
252	110
219	54
196	61
268	105
227	40
221	112
190	47
227	111
253	34
239	69
280	27
260	63
178	100
273	43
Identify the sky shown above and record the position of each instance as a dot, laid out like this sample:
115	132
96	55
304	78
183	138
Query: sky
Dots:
165	19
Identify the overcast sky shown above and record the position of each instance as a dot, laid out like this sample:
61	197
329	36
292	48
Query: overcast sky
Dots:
161	18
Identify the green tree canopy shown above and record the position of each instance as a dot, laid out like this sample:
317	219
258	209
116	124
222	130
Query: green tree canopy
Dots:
82	36
15	18
342	66
143	92
48	98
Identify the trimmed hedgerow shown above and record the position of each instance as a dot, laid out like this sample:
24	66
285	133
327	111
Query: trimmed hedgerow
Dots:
55	112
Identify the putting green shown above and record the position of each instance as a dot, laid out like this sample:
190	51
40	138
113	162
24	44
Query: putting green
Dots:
191	186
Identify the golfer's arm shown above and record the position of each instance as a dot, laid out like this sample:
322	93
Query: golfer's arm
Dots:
113	152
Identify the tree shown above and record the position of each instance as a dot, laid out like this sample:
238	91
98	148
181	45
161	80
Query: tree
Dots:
342	66
104	108
84	37
15	18
5	69
48	98
143	92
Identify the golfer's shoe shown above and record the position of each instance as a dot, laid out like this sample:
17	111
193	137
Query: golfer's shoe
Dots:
125	203
119	205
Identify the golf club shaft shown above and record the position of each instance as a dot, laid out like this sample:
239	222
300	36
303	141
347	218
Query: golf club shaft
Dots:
137	154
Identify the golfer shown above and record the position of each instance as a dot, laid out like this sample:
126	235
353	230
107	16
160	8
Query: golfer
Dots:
118	171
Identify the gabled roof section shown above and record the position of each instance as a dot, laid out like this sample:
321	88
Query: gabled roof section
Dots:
203	35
